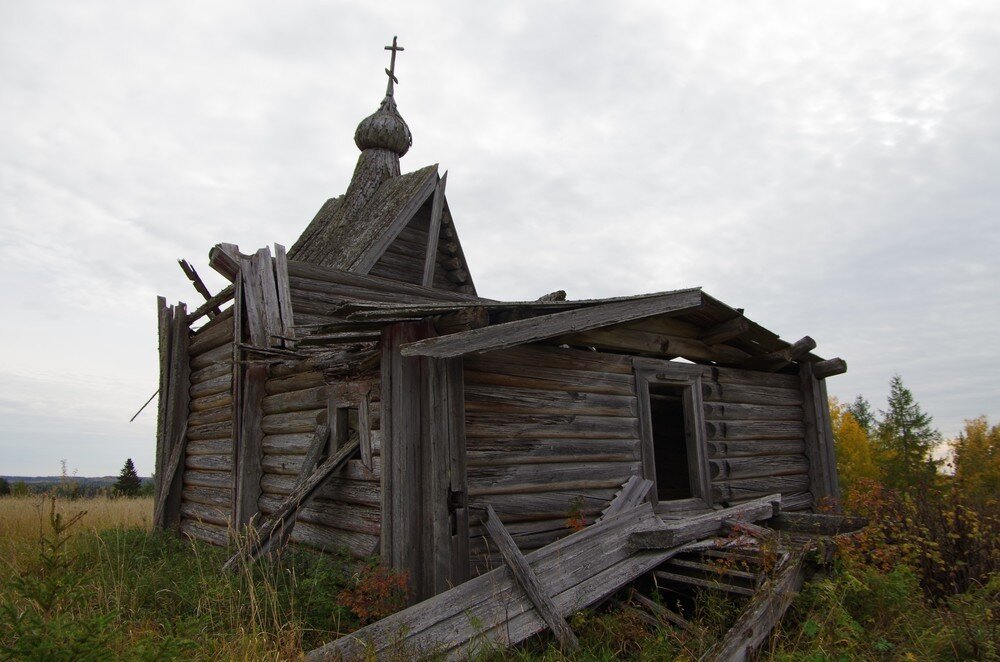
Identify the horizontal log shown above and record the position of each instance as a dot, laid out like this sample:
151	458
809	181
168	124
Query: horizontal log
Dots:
298	421
753	378
829	368
309	398
212	386
209	447
757	467
294	382
727	449
539	534
754	395
218	479
205	531
496	477
221	430
324	538
334	490
221	354
725	331
578	382
211	372
543	505
212	496
743	412
541	401
224	296
780	358
201	512
369	284
209	462
291	465
338	516
484	451
796	501
211	338
216	415
214	401
734	491
560	358
511	426
749	430
287	444
827	524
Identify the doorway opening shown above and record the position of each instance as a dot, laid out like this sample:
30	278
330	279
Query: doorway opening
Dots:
670	442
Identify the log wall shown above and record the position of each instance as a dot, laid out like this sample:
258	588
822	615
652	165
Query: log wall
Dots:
207	497
550	433
346	513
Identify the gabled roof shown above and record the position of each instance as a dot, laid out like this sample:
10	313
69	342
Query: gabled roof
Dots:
352	240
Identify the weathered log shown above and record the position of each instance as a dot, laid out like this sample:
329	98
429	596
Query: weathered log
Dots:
294	382
779	359
829	368
748	430
757	467
224	296
702	526
736	490
827	524
225	258
211	533
633	492
746	394
488	451
725	331
731	449
550	426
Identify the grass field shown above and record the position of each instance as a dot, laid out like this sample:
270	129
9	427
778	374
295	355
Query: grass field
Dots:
107	587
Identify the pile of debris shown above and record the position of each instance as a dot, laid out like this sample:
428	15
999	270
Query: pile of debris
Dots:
539	590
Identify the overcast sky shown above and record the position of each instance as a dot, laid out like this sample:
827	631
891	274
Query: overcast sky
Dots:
832	168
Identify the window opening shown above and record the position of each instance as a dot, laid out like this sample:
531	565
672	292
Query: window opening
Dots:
670	442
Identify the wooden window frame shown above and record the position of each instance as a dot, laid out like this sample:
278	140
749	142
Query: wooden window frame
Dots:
694	426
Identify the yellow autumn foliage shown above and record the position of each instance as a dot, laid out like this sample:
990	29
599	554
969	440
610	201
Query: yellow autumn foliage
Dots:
855	455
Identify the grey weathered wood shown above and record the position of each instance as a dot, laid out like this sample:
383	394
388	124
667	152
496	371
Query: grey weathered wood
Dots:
365	428
225	258
740	527
284	295
199	285
534	589
829	368
759	466
780	358
433	234
702	526
576	571
522	331
224	296
750	394
763	613
827	524
170	469
163	316
178	392
263	267
714	584
821	473
271	533
302	274
547	401
643	342
724	331
248	446
317	449
631	495
750	448
253	303
662	612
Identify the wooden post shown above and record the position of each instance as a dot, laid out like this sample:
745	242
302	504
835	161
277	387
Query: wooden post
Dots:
818	440
164	317
175	423
248	449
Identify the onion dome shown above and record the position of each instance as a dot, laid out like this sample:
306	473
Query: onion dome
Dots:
384	129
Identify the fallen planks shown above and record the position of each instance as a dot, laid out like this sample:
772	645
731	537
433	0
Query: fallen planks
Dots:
492	610
714	523
274	532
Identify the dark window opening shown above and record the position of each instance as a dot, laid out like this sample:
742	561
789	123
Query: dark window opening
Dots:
670	448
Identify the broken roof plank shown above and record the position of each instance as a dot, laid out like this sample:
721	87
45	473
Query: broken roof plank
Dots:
509	334
532	586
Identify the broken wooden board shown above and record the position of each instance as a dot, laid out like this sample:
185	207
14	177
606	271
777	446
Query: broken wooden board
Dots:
763	613
677	532
632	494
492	611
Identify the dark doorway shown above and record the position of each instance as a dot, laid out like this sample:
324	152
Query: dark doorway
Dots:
670	448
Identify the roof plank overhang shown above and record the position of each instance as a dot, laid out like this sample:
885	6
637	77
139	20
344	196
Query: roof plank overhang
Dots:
509	334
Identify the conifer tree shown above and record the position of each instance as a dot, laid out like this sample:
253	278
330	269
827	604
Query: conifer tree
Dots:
128	483
905	439
862	413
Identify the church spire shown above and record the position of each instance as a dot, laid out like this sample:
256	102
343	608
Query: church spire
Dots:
383	138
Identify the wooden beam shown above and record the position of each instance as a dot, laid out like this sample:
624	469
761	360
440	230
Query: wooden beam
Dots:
164	316
702	526
509	334
829	368
777	360
763	613
433	234
827	524
818	440
199	285
526	577
248	446
725	331
632	493
263	267
284	296
224	295
225	258
315	453
178	398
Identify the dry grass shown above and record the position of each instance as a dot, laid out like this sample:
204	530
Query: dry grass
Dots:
23	519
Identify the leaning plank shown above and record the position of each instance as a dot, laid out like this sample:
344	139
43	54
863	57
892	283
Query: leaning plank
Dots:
199	285
272	533
509	334
173	464
577	571
284	296
631	495
701	526
529	582
763	612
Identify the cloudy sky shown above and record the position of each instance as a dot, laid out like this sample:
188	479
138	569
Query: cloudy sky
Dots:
834	168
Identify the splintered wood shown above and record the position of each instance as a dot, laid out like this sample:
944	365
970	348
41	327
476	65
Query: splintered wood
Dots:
500	608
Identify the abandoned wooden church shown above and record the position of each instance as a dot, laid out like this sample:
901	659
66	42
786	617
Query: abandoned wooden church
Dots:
356	392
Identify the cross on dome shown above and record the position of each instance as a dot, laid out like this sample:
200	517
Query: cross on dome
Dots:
391	71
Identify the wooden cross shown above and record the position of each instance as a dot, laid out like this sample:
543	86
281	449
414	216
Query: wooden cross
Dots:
391	71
